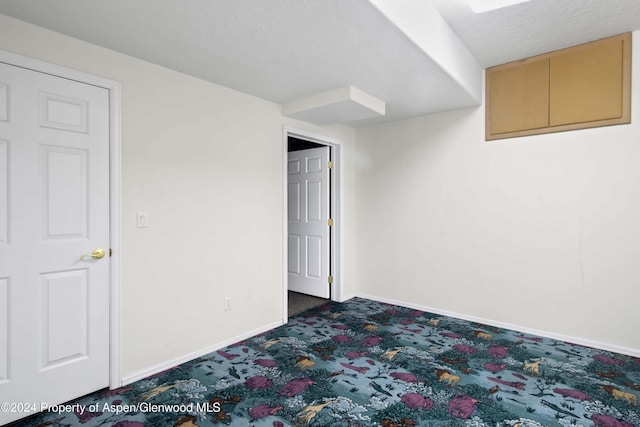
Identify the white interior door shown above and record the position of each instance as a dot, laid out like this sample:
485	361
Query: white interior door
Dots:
54	207
308	245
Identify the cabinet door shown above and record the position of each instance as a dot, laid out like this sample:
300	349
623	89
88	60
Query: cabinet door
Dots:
518	97
586	83
579	87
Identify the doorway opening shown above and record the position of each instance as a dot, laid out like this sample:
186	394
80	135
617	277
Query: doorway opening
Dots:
312	252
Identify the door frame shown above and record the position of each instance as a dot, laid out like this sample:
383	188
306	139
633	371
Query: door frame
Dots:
336	212
114	89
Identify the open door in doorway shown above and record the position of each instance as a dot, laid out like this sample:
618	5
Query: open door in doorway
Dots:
309	221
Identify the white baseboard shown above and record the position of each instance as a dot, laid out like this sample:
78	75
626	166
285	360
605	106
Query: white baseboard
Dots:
194	355
560	337
347	297
567	338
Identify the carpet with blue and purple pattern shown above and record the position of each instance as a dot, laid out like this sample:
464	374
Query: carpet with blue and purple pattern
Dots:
366	363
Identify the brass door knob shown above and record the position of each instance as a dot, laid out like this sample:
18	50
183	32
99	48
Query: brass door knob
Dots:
96	254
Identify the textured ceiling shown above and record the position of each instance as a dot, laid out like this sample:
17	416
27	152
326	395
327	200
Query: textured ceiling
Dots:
537	26
279	50
286	50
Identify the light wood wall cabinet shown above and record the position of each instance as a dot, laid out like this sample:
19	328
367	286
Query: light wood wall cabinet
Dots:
580	87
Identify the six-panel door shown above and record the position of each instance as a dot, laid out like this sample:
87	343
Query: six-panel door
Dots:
308	235
54	208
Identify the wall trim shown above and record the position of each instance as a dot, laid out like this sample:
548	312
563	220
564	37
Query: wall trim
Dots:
115	214
345	298
546	334
153	370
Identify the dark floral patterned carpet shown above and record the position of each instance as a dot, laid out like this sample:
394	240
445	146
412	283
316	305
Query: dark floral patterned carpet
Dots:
365	363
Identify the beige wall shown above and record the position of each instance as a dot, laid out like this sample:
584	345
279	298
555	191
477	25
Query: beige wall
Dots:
206	163
541	232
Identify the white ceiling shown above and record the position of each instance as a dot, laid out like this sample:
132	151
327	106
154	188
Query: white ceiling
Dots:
287	50
537	26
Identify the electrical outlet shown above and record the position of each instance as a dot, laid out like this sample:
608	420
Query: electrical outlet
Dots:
227	303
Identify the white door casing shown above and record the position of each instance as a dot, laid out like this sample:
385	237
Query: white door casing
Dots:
54	207
308	215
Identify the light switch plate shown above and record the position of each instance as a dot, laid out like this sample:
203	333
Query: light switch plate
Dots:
143	219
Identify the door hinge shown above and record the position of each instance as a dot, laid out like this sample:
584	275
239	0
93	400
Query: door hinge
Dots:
330	222
330	279
330	165
110	252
